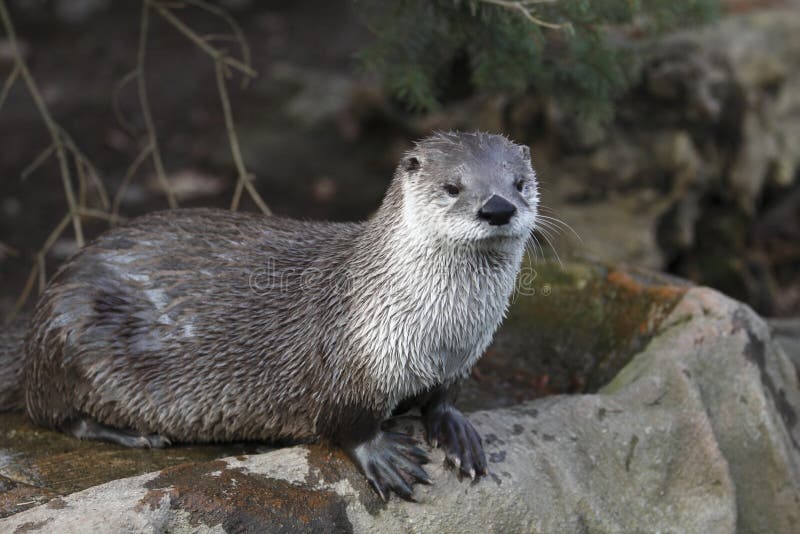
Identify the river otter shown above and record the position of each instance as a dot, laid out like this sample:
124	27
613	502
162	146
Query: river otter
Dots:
203	325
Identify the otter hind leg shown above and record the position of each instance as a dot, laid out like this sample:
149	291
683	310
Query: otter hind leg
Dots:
88	428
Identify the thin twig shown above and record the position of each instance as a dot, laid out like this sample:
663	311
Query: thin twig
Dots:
244	176
238	34
38	266
223	62
127	125
248	184
37	162
123	186
94	174
145	104
215	53
227	37
82	184
8	84
525	9
100	214
237	195
52	127
26	292
54	235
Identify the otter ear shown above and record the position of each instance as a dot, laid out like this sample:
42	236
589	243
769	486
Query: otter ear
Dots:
526	152
411	164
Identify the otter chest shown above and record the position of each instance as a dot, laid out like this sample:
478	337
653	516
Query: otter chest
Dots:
427	319
463	318
449	317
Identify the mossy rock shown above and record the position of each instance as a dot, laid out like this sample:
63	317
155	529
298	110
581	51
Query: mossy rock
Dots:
569	330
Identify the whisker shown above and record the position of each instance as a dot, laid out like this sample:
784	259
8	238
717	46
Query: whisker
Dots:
555	220
547	232
530	246
533	242
546	225
541	249
554	250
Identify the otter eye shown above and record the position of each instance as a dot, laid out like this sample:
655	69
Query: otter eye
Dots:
452	189
519	184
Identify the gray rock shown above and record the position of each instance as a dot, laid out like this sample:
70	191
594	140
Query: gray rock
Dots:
698	433
742	75
786	332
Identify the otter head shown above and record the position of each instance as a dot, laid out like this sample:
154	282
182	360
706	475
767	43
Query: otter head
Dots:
469	187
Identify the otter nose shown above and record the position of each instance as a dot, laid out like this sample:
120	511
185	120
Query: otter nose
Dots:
497	211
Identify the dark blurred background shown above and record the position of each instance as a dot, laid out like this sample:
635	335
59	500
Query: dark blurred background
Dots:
675	148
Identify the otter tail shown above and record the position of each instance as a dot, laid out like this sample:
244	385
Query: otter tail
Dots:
11	365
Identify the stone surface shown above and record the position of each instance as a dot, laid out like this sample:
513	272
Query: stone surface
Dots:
697	433
786	332
569	330
734	90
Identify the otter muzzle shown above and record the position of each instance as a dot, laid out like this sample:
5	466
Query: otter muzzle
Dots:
497	211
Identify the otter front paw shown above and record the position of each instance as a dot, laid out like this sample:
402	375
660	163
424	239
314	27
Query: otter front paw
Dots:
391	462
447	427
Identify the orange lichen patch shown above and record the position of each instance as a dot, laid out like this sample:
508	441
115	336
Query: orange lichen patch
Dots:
152	499
746	6
329	464
626	282
32	526
667	292
43	464
214	494
641	306
16	496
57	504
574	337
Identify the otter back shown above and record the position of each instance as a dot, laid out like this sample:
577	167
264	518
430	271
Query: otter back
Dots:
162	326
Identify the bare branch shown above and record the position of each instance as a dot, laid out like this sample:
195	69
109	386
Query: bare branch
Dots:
82	183
145	104
237	194
526	9
94	174
38	267
64	146
8	84
54	235
216	54
244	176
238	34
99	214
127	125
134	166
38	161
225	37
25	293
52	127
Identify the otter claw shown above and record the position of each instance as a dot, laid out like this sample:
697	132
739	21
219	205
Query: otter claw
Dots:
447	427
